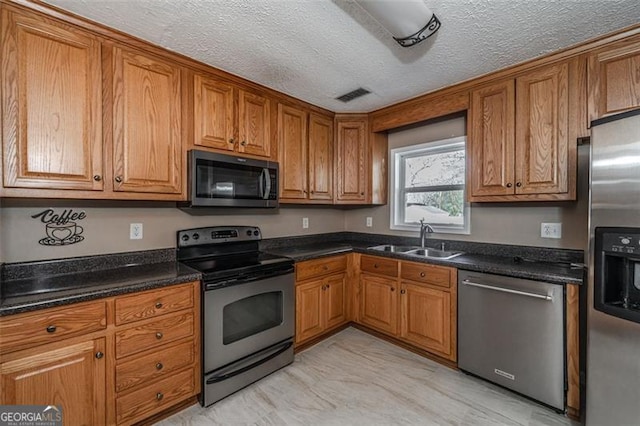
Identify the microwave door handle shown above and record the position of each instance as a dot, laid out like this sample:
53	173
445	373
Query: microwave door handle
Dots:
261	184
266	178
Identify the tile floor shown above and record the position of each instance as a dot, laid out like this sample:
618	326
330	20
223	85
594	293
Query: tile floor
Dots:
353	378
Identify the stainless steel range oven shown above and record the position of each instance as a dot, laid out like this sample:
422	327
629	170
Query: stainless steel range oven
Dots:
248	307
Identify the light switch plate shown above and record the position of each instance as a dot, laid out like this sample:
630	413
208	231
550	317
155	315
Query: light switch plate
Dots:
135	231
551	230
369	221
305	223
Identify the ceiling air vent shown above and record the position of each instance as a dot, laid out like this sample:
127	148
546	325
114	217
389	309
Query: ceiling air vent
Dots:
353	94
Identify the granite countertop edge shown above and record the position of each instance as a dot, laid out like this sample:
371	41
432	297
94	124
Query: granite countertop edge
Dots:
21	304
551	273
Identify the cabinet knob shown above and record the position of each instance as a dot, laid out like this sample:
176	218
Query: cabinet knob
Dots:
422	274
243	143
403	291
232	141
375	265
362	193
159	396
518	184
159	335
158	305
51	329
328	286
118	179
99	355
509	185
97	178
159	366
325	267
393	289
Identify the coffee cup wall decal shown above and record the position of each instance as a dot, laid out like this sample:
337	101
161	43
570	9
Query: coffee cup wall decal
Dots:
61	228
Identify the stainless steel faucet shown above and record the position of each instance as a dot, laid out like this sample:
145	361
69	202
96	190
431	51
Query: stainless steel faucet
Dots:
425	229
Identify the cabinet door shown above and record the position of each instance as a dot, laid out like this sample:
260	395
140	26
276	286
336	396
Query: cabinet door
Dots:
542	130
213	117
320	158
72	377
335	290
309	310
379	303
51	105
255	124
292	152
146	124
490	162
614	78
352	159
426	318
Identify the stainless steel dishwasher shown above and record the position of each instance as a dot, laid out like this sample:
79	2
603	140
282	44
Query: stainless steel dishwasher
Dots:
511	332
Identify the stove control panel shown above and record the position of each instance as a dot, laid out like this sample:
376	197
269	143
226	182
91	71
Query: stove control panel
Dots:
217	234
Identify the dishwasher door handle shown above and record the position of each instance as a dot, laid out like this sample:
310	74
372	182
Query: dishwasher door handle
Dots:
547	297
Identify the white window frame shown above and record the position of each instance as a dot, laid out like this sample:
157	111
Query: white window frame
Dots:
397	176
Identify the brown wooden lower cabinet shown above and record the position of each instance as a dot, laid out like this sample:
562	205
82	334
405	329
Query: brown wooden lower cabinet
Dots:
72	377
321	297
379	303
101	373
418	305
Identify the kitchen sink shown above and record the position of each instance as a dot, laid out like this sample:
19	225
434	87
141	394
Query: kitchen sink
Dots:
434	253
393	249
417	251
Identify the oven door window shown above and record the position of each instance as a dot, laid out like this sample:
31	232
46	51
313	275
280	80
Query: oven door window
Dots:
251	315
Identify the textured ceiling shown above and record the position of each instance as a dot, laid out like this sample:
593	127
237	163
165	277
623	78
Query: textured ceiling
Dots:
317	50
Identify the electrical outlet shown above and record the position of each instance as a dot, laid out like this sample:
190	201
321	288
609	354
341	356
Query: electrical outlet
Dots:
135	231
551	230
305	223
369	221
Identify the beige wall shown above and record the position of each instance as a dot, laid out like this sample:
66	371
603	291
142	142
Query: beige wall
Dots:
497	223
106	227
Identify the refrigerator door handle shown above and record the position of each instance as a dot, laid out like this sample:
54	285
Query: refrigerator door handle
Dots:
546	297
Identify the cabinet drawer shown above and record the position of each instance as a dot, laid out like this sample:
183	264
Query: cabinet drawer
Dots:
153	303
153	334
155	397
50	325
379	265
319	267
157	364
428	274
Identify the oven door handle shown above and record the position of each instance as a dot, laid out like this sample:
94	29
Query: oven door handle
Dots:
220	378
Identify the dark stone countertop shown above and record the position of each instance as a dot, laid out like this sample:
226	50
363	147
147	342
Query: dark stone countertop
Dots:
551	272
45	291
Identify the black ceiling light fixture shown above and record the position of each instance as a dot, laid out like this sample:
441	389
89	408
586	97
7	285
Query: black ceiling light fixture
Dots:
408	21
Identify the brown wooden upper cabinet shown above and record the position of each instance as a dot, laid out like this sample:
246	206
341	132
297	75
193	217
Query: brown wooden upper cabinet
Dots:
521	144
147	150
351	159
52	105
229	118
305	156
361	161
614	78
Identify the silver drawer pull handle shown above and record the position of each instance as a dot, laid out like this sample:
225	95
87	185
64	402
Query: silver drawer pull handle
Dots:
507	290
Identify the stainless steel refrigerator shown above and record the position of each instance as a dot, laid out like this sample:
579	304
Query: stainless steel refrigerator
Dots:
613	322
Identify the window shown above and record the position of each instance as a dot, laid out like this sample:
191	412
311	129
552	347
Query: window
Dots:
428	183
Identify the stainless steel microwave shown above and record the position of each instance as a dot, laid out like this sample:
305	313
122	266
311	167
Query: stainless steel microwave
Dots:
219	180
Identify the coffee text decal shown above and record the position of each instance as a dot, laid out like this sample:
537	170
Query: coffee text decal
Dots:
62	229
